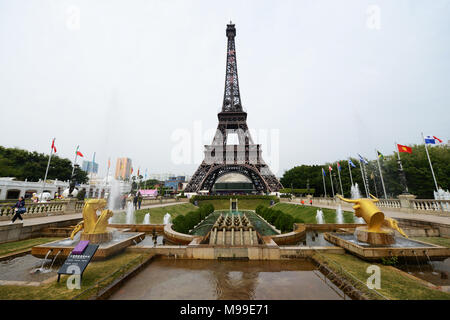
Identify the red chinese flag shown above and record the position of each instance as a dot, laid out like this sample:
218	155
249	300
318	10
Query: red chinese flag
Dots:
402	148
79	154
53	145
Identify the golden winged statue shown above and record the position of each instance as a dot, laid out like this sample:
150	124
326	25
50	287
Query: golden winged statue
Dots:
93	224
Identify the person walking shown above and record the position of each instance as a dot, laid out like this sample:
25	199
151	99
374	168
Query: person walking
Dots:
19	208
124	201
139	200
310	202
135	201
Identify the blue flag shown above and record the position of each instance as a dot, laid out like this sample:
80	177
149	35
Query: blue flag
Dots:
351	163
430	140
323	172
362	159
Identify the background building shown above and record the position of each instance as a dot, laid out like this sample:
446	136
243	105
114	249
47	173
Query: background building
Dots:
175	183
123	169
90	166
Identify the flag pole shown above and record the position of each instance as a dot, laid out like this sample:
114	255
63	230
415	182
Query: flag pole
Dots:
363	176
332	188
106	180
74	161
429	160
381	174
350	170
90	180
323	178
46	170
340	182
402	173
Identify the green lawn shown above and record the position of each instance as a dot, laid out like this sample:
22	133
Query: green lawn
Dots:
10	247
308	213
243	204
440	241
394	283
95	271
157	214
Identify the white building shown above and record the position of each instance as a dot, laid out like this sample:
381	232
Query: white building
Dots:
99	187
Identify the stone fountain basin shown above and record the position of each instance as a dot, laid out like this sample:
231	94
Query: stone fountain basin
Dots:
120	242
403	248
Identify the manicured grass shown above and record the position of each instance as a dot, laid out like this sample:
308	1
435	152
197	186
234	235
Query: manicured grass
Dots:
10	247
440	241
394	283
308	213
157	214
95	271
243	204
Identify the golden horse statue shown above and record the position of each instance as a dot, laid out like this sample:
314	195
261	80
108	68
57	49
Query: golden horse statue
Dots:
92	224
372	215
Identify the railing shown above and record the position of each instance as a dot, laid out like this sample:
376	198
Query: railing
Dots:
409	205
41	207
430	205
389	203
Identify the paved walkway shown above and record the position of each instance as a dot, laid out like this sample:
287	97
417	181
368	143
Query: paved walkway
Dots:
391	213
38	220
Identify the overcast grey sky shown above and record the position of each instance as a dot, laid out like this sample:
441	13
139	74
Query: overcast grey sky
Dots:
127	74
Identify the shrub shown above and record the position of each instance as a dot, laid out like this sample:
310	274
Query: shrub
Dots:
185	223
179	224
239	197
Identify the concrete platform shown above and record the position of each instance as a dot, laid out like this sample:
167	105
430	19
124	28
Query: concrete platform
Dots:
423	251
104	251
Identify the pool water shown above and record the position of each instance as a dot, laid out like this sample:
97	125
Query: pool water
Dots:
215	280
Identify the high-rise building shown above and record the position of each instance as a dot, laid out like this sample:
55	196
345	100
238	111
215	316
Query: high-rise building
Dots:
89	166
123	168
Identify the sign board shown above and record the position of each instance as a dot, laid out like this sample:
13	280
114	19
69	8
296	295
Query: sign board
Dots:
76	263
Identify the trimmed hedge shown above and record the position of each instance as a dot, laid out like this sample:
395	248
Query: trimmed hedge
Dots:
185	223
239	197
298	191
282	221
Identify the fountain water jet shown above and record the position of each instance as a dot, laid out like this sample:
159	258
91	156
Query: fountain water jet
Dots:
130	212
339	215
147	218
54	259
167	218
319	216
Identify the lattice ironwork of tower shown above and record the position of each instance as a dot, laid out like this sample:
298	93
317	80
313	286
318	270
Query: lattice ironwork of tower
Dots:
244	158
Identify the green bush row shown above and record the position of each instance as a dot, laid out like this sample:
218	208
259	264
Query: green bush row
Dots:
282	221
239	197
298	191
184	223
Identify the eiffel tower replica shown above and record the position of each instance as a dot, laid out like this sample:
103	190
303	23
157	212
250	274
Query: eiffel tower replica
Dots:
244	158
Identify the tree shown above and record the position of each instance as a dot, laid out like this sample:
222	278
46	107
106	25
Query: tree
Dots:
23	164
415	165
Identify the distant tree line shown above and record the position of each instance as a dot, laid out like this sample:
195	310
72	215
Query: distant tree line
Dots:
417	170
23	164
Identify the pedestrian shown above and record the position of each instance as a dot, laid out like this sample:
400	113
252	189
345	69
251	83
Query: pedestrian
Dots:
310	202
139	200
124	201
135	201
19	208
303	202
